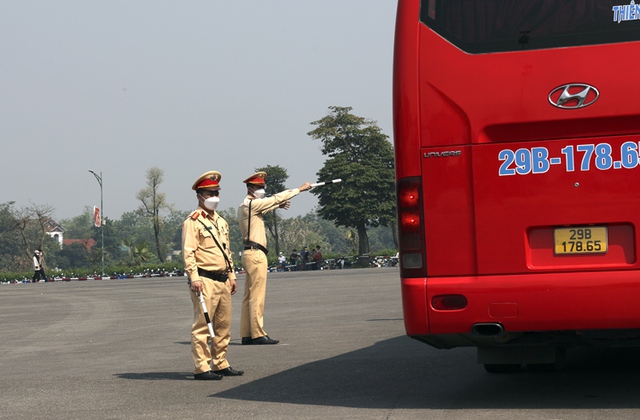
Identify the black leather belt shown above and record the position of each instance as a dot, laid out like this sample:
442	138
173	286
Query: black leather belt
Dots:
221	277
255	245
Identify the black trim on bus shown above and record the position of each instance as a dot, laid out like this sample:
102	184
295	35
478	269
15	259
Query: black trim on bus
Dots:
597	29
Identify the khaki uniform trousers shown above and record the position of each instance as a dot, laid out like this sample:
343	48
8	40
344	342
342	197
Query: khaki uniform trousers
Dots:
217	297
255	288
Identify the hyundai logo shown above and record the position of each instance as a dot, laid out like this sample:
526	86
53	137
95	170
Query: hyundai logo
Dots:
573	96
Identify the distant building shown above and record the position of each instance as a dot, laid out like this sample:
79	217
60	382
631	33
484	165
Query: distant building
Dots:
55	231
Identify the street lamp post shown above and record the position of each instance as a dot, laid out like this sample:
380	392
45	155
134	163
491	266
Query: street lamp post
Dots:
99	179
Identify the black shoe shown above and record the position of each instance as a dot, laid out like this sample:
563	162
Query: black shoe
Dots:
207	376
265	340
229	372
247	340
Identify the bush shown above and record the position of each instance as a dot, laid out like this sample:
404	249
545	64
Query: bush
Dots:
385	253
169	267
14	275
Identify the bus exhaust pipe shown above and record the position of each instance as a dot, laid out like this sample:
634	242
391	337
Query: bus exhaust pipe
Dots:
487	329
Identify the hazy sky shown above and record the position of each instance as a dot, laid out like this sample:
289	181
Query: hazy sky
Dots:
187	86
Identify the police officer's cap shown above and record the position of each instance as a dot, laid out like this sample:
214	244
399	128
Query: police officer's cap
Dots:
256	179
208	180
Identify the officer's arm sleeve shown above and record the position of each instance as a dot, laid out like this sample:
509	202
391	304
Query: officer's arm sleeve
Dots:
189	247
264	205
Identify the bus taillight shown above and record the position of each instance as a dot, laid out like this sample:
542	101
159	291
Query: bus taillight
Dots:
409	196
411	228
410	222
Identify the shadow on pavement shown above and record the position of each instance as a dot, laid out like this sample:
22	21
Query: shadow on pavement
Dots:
157	376
400	373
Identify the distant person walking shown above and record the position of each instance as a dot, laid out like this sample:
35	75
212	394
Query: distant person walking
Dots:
282	261
305	258
293	260
254	258
317	256
38	266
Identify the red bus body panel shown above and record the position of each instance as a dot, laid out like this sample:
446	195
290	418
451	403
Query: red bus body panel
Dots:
490	233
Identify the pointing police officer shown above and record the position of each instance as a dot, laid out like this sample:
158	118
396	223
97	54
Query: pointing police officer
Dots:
254	257
209	267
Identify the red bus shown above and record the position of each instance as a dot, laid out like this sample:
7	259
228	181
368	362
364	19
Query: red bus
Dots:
516	133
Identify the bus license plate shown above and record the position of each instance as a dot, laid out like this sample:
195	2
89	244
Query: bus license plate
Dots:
581	240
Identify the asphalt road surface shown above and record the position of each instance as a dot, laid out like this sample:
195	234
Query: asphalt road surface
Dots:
119	349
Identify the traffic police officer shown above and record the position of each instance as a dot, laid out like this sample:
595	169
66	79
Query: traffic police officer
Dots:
209	267
254	258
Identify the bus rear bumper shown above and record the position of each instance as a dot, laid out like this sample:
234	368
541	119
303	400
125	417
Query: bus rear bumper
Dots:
596	308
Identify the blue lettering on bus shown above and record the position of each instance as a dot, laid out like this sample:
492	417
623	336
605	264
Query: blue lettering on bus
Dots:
582	157
626	12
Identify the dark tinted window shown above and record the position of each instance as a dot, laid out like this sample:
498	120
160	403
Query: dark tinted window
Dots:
484	26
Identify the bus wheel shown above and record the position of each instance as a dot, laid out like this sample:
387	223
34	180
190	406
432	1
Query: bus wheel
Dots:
501	368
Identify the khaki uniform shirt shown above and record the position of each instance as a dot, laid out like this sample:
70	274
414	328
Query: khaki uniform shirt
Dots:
199	249
260	206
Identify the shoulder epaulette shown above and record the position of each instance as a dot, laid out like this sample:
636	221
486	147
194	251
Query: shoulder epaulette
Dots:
194	215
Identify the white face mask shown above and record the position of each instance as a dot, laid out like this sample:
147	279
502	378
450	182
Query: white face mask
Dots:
259	193
211	203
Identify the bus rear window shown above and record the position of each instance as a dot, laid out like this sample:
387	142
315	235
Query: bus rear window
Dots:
486	26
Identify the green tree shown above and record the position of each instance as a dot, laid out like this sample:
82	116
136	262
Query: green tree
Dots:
298	232
141	253
32	226
361	155
132	228
335	239
73	256
383	238
112	241
22	231
154	203
172	233
79	227
276	178
82	227
10	247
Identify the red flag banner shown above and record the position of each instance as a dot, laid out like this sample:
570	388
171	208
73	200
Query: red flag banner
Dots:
96	217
